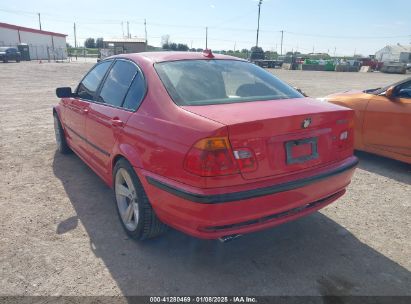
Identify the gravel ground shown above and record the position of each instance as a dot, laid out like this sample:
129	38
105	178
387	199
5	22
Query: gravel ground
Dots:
60	235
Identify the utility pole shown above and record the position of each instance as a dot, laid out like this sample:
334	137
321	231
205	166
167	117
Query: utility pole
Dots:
122	28
282	37
128	29
335	50
75	35
258	20
145	31
206	37
39	20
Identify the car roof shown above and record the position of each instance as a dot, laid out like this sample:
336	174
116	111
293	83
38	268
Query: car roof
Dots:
173	56
400	82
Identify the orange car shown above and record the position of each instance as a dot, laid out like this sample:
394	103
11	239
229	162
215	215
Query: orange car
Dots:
382	119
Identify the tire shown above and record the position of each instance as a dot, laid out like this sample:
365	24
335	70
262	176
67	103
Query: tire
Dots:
5	60
61	142
133	206
17	60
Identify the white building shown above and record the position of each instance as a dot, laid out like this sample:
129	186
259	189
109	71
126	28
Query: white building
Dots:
397	53
42	44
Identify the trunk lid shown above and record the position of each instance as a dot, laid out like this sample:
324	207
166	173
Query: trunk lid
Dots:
285	135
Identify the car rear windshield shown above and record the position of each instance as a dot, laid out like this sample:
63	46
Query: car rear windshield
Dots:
202	82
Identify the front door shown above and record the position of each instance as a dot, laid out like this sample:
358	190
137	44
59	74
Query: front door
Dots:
387	122
106	116
77	107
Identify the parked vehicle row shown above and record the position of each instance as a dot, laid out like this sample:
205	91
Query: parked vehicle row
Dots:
211	145
9	54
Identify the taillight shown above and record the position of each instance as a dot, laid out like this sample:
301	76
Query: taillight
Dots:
346	137
211	157
245	159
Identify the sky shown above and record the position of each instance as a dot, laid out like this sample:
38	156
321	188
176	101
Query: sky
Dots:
340	27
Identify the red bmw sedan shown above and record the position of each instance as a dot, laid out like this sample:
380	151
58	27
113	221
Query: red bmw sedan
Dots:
210	145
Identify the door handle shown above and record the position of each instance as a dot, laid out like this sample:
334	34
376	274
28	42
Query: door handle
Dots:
116	122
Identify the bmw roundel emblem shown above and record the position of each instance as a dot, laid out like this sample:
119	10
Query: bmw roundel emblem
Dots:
306	123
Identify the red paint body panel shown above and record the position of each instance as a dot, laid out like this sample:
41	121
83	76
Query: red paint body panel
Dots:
157	137
264	126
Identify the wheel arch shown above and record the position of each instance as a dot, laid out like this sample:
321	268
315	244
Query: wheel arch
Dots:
127	152
57	110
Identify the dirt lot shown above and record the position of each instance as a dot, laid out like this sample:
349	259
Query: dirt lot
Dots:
59	232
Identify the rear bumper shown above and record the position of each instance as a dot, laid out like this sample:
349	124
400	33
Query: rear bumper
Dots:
212	213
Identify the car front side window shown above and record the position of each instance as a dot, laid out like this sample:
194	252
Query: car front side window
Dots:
117	83
91	82
404	91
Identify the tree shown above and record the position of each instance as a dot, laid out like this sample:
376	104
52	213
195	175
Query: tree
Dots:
165	39
68	45
182	47
99	43
257	49
256	53
175	46
170	46
90	43
271	55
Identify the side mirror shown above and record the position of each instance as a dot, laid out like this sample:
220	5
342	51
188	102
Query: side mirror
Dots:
389	92
64	92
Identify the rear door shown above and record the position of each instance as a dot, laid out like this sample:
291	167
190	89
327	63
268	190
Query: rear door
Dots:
387	122
76	108
115	102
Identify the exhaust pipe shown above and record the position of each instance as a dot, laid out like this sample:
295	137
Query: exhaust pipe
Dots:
229	238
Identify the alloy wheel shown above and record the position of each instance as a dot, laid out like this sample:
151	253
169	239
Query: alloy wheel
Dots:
127	200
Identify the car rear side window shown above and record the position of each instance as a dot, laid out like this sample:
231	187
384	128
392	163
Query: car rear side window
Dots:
117	83
91	82
201	82
136	93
